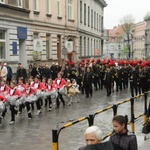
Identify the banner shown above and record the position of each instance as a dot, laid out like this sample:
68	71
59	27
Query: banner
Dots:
38	45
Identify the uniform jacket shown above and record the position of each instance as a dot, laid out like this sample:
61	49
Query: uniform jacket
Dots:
2	98
60	84
29	91
15	92
40	86
4	88
51	87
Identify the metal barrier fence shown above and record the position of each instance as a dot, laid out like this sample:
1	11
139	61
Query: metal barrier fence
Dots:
90	118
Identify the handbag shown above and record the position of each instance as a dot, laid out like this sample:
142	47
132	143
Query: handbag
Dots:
146	127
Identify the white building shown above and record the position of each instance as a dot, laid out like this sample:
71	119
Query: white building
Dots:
90	27
29	32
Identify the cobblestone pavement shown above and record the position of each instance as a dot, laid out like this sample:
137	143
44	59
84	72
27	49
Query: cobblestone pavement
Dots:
36	134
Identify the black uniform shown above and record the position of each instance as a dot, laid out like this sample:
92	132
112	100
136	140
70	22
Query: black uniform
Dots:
87	82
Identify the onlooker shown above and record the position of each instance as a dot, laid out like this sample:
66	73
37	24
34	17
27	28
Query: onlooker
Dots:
21	73
122	136
9	73
93	135
3	71
35	71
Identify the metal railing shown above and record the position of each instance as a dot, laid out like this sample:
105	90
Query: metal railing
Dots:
90	118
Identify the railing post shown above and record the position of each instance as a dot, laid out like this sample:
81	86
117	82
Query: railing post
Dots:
55	140
132	115
115	107
91	120
145	107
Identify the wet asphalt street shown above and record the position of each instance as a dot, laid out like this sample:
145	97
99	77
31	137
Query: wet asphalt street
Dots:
36	134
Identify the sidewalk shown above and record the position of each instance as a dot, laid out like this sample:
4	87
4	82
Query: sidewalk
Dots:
143	145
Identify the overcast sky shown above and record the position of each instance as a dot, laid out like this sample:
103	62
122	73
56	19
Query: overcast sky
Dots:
116	9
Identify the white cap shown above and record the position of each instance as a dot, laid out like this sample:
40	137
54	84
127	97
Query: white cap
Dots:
5	64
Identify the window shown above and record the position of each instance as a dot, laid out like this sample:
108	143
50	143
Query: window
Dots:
92	18
80	45
97	21
2	1
35	35
88	15
85	46
70	9
36	5
58	8
48	6
81	11
88	47
20	3
85	14
48	46
2	44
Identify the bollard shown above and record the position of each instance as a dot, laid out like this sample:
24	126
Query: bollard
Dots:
132	115
55	140
115	107
145	107
91	120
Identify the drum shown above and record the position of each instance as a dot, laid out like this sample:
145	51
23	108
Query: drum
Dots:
31	98
12	99
39	94
54	94
47	93
63	91
2	106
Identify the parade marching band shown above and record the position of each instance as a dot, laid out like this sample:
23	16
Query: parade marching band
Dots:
47	87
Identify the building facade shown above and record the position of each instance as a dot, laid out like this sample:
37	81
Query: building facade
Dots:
29	32
147	37
138	40
90	27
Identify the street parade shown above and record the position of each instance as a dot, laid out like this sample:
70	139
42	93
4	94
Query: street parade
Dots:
44	87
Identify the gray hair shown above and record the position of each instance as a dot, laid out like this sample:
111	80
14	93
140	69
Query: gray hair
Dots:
96	130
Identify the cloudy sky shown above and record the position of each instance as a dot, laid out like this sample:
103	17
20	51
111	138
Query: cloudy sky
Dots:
116	9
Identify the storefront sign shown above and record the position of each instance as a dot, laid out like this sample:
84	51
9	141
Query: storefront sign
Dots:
22	33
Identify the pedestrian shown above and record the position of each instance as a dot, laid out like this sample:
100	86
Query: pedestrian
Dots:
93	135
9	73
122	136
3	71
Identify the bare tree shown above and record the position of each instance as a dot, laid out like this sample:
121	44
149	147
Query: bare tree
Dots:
127	23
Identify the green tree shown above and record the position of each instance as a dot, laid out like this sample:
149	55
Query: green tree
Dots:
127	23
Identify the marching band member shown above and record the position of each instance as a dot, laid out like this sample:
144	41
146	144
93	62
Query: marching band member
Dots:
4	88
60	83
13	92
21	87
2	98
40	87
28	92
49	88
